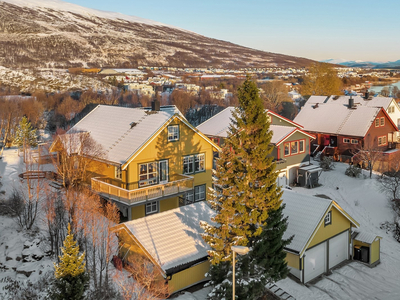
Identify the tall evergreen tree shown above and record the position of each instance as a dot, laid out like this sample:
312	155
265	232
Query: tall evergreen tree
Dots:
71	277
25	134
245	192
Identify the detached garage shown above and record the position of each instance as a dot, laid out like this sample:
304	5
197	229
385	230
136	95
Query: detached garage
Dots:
321	230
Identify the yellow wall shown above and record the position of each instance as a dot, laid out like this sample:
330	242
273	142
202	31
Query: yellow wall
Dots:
189	276
138	212
169	203
339	224
374	249
293	260
160	149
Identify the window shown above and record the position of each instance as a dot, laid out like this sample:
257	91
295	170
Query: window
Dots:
287	150
377	122
118	173
294	147
328	218
382	121
173	133
391	109
302	146
151	207
200	192
216	140
147	174
354	141
189	197
194	163
346	141
382	140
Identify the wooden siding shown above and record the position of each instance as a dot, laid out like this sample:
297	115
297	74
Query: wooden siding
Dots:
374	249
169	203
189	277
138	212
297	158
339	223
293	260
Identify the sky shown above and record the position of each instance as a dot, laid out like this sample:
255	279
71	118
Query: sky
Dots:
316	29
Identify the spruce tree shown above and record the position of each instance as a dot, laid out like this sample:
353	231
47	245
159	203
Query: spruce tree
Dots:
25	134
71	277
245	192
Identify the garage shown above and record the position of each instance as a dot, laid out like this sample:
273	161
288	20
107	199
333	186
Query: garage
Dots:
338	249
315	262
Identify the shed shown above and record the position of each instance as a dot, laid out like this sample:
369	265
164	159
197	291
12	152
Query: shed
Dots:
366	247
308	176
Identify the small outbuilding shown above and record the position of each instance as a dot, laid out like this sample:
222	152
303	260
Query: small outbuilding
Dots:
308	176
172	241
367	247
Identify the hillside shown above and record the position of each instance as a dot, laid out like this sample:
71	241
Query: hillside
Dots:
45	33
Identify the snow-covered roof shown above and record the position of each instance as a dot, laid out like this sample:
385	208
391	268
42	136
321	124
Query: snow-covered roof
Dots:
173	237
365	237
358	100
304	214
337	119
121	131
218	125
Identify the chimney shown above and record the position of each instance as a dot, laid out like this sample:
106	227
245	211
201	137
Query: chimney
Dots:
351	102
155	105
366	95
315	106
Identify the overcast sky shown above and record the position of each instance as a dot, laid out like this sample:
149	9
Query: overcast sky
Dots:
315	29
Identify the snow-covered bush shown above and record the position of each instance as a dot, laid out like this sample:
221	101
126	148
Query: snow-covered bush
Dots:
353	171
327	163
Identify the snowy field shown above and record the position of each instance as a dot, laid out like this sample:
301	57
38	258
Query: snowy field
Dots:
361	198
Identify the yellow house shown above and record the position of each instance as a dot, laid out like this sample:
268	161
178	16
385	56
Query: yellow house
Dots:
321	232
154	159
177	250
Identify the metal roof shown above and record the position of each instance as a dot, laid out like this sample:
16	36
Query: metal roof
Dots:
121	131
365	237
337	119
173	237
304	214
358	100
218	125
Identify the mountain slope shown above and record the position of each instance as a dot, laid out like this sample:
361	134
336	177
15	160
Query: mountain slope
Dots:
52	33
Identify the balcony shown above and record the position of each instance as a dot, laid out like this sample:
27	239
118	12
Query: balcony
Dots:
133	193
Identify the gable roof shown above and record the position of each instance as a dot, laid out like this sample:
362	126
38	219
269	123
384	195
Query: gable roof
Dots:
173	238
304	214
122	131
338	118
218	125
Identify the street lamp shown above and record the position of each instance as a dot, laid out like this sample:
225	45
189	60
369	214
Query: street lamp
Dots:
241	250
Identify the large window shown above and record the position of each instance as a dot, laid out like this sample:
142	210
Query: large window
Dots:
200	192
147	174
294	147
151	207
194	163
173	133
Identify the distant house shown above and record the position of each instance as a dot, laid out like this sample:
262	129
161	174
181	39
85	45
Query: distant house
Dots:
155	160
291	143
342	129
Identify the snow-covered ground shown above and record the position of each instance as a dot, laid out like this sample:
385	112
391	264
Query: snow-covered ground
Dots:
362	199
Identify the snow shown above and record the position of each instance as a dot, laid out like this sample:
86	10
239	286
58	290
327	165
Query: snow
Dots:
74	8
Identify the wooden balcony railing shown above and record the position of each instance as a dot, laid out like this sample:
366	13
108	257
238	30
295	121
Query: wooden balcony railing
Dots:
117	191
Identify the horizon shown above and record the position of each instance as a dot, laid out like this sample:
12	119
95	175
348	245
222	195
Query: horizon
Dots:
359	30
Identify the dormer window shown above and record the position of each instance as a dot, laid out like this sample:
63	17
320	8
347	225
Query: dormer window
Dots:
173	133
328	218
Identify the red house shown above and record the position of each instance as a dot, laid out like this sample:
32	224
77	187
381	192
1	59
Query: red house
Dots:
344	129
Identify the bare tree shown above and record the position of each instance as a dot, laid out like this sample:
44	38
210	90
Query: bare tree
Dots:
145	281
274	94
369	154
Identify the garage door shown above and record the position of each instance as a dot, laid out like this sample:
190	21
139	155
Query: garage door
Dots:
338	249
315	262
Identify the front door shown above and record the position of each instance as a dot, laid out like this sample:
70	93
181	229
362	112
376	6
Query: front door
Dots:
163	171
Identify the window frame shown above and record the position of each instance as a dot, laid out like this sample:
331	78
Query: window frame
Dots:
118	172
383	139
354	141
156	177
189	197
197	192
192	161
377	122
328	218
346	141
151	206
171	135
288	148
289	145
304	146
382	122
